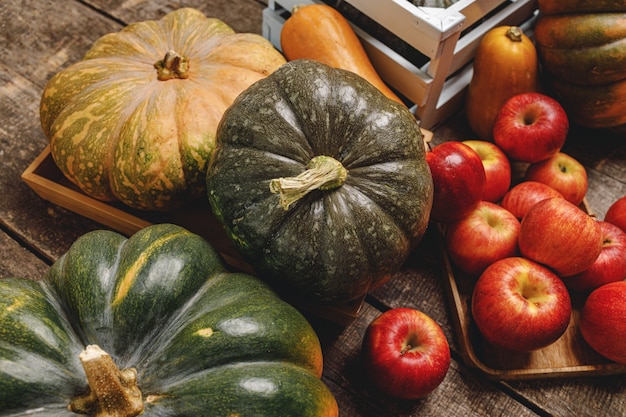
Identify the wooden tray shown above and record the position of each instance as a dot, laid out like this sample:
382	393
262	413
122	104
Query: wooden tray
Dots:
43	176
569	356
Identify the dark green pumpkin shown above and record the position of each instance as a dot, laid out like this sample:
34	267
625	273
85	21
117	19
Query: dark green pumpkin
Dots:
203	341
334	243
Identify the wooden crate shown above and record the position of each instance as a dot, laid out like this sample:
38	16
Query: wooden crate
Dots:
423	53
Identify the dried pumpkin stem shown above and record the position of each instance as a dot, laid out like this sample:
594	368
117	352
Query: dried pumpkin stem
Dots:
322	173
172	66
515	33
112	392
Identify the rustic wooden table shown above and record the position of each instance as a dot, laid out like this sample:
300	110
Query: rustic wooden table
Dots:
39	37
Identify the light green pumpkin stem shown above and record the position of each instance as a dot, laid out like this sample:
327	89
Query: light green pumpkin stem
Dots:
322	173
172	66
112	392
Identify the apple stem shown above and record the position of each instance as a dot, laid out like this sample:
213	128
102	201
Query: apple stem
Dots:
405	349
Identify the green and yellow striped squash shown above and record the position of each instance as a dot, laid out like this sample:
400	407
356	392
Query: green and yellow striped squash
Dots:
135	120
582	50
548	7
155	325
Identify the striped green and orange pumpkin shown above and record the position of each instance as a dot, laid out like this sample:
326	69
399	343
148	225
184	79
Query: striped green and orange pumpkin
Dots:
135	120
582	49
160	313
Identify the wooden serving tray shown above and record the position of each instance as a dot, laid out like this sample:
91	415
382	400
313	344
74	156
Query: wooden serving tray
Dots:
44	177
569	356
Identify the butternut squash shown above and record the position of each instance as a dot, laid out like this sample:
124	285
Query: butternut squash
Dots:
505	65
321	33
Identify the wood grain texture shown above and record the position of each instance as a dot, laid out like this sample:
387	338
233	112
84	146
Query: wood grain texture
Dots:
40	37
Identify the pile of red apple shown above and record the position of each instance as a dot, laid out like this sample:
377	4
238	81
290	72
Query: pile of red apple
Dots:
529	242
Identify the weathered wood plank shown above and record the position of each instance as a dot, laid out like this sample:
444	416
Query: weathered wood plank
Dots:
40	37
17	261
460	394
579	397
47	228
241	15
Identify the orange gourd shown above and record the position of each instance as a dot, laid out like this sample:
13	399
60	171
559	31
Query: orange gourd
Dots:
321	33
505	65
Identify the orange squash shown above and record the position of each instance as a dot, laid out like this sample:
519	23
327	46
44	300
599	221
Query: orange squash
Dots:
505	65
321	33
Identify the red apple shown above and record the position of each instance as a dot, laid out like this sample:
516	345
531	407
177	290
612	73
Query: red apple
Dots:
616	214
526	194
458	178
497	168
520	305
610	265
563	173
530	127
487	234
603	321
406	354
560	235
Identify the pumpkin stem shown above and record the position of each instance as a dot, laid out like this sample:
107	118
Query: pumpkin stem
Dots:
322	173
112	393
172	66
515	33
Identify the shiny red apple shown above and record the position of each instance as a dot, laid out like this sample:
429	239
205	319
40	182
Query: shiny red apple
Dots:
610	265
616	214
405	353
530	127
520	305
487	234
497	168
563	173
458	178
603	321
526	194
560	235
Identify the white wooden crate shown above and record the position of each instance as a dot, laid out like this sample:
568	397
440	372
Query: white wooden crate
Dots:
444	39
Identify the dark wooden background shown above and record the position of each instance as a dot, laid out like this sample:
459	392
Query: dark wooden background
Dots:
40	37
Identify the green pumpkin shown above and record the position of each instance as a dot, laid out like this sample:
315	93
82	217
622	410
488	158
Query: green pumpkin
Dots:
320	181
155	325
